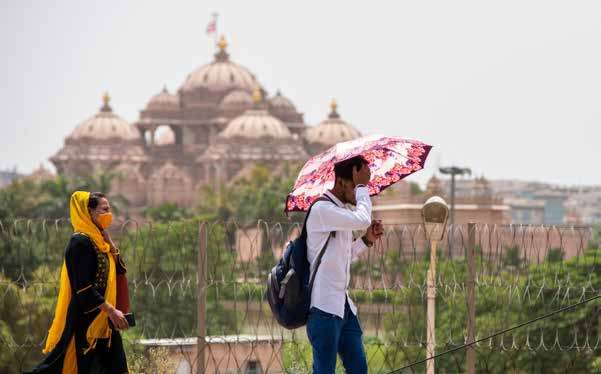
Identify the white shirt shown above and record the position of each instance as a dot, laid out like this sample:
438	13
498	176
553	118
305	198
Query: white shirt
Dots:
332	279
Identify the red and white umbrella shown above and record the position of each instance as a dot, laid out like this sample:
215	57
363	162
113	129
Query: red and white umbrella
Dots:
390	158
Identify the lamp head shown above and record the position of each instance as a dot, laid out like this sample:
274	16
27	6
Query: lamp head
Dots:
435	212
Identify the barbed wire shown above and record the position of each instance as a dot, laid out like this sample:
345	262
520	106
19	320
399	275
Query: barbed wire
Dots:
521	272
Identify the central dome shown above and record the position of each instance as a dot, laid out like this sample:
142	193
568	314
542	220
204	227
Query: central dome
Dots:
221	74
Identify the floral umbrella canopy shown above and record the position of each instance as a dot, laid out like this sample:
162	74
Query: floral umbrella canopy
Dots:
390	159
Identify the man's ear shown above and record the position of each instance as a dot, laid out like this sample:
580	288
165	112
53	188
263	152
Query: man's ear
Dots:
350	184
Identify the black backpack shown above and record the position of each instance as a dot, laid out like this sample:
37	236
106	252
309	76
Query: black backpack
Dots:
290	282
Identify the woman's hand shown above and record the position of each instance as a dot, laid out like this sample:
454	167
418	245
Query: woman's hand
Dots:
116	317
108	239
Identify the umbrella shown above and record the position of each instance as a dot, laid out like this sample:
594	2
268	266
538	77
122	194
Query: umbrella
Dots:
390	158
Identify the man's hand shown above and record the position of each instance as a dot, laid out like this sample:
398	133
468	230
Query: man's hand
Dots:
362	175
374	231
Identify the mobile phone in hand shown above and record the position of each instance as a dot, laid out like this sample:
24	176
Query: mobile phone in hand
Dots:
131	320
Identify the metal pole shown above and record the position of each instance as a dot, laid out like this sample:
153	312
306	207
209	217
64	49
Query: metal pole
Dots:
431	309
470	354
201	298
452	201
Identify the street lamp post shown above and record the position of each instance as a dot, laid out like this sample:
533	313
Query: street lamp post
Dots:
453	171
435	213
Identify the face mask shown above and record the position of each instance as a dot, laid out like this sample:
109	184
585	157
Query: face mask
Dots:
105	220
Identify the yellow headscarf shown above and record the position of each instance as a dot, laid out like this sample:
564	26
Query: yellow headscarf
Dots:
99	328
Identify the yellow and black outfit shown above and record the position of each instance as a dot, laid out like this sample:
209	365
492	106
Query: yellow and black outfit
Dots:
81	339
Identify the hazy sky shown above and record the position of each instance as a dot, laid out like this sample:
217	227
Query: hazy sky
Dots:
511	89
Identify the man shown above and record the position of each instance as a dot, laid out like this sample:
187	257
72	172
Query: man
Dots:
333	327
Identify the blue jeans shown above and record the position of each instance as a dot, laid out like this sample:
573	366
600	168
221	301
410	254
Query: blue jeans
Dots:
330	335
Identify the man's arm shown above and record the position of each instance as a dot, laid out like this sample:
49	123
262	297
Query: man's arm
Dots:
357	248
373	233
327	217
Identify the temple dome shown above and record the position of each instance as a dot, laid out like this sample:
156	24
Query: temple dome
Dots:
331	131
281	102
105	125
237	99
163	101
221	74
256	123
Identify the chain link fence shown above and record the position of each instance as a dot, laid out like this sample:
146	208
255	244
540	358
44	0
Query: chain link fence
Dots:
186	272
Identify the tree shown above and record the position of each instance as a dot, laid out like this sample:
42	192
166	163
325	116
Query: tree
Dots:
415	189
261	196
167	212
24	320
504	299
50	198
19	199
55	197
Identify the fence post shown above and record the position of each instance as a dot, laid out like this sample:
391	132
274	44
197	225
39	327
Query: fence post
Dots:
201	298
470	354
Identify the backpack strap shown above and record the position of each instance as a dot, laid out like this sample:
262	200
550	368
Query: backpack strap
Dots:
321	198
323	249
318	259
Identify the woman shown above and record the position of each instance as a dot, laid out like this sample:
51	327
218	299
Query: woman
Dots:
84	336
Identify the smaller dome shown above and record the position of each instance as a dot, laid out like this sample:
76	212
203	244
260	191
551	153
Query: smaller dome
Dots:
256	123
331	131
163	101
105	125
164	136
237	99
281	102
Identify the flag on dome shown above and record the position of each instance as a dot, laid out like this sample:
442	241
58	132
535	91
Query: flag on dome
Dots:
212	26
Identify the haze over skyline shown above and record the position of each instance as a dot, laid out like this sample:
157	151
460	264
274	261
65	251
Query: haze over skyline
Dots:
512	89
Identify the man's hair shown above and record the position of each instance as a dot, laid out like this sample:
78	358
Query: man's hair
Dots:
94	199
344	169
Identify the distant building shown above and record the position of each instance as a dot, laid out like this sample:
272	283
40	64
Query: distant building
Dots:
8	176
39	175
583	205
526	198
248	354
398	205
555	211
526	211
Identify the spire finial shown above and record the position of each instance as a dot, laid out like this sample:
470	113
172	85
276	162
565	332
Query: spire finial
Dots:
222	44
105	101
334	109
222	54
257	96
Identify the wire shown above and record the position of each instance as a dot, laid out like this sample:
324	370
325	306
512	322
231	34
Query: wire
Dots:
496	334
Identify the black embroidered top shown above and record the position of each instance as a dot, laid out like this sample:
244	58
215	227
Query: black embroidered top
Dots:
88	272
